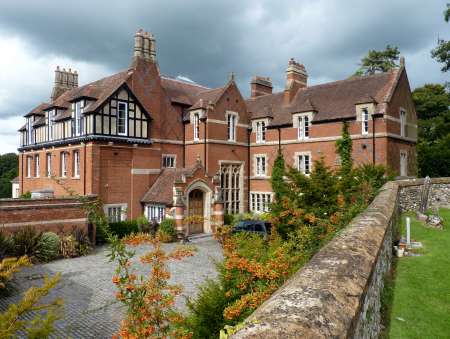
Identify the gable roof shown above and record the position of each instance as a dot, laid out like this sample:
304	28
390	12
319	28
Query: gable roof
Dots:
332	101
182	92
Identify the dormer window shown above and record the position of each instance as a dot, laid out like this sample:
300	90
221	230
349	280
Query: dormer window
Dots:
122	118
402	123
78	110
302	122
196	119
260	131
365	121
231	126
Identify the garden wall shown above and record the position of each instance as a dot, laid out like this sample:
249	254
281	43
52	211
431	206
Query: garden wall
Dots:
337	294
59	215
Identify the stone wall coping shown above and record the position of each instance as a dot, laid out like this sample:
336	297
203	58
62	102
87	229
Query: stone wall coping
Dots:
17	202
41	206
420	181
324	298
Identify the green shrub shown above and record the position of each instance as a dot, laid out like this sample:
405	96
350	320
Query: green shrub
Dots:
27	241
123	228
82	242
6	244
26	195
167	230
205	318
228	219
49	247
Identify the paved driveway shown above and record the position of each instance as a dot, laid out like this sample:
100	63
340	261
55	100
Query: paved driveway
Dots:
90	310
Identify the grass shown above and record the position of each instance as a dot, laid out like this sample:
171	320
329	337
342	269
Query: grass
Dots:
421	295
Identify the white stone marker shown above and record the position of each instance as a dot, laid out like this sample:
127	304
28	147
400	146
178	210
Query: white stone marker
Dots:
408	231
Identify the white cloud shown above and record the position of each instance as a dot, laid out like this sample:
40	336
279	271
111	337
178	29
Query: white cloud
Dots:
26	79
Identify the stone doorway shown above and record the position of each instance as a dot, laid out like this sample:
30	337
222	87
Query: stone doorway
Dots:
196	206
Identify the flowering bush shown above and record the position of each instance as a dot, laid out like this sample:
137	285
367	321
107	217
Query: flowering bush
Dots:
149	301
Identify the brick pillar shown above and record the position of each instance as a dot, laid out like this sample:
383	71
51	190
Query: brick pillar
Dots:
218	215
179	216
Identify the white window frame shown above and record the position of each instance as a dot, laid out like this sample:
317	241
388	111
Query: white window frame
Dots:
196	123
29	131
260	169
118	118
232	122
155	212
29	159
78	110
365	121
37	166
232	185
49	165
76	164
302	122
402	122
260	132
64	165
300	162
171	158
115	210
260	201
404	153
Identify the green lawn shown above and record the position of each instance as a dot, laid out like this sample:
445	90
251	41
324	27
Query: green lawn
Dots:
421	294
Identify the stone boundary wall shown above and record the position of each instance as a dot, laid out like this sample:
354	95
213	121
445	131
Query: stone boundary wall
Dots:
337	294
59	215
411	192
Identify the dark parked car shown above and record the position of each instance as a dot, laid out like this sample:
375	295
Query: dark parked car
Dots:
253	226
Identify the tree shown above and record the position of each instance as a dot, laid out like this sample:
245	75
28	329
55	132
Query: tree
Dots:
432	103
442	52
379	61
9	169
279	186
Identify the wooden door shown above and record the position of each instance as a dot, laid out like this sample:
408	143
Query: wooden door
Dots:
196	209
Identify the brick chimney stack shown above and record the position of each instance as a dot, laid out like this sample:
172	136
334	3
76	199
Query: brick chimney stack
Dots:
296	78
64	81
144	46
260	86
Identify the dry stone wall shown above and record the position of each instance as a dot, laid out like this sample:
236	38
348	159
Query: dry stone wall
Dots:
337	294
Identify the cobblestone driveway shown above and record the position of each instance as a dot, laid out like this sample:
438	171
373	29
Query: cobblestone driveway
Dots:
90	310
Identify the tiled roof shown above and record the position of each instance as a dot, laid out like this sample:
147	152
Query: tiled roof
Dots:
334	100
182	92
38	109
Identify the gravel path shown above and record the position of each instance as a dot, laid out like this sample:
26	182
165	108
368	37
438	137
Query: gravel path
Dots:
90	310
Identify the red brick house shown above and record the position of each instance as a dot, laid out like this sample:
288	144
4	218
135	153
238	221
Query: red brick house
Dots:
145	143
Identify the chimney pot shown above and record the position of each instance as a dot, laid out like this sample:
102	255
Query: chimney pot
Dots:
152	47
138	44
146	47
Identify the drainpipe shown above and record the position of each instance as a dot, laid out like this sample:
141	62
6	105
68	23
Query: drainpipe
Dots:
204	150
249	131
373	139
279	140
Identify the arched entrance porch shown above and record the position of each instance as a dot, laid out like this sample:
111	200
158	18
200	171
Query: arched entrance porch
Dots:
198	203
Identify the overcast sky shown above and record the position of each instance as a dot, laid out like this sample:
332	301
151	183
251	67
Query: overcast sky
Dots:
205	41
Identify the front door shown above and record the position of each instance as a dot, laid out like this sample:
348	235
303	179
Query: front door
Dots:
196	209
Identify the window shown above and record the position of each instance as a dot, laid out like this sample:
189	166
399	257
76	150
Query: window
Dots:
49	165
365	121
115	213
260	168
76	164
304	163
303	127
156	213
63	164
259	202
122	118
402	123
196	126
260	131
403	163
77	115
231	186
168	161
37	169
50	125
30	131
28	167
231	125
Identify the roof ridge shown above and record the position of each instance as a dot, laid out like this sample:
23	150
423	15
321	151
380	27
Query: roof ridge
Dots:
184	82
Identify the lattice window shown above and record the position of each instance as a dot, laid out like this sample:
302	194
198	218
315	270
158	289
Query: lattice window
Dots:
230	182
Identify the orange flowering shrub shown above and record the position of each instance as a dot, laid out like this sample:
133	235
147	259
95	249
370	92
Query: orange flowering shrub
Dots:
149	300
